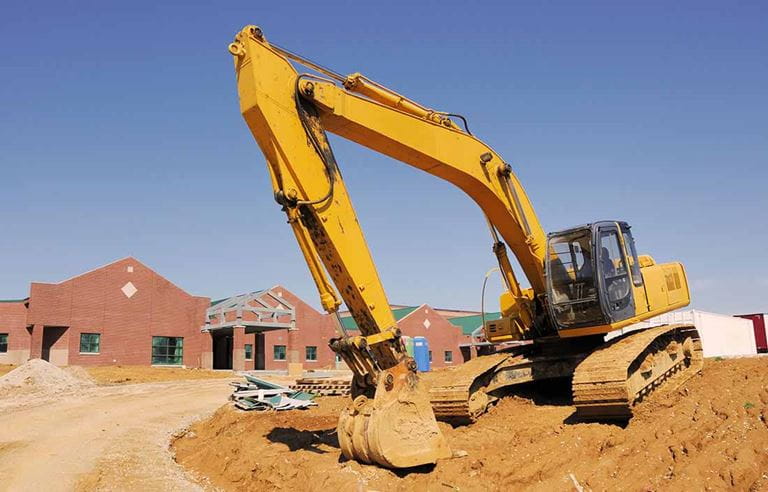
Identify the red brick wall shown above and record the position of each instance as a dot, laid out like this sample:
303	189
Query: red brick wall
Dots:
314	329
440	334
13	321
94	303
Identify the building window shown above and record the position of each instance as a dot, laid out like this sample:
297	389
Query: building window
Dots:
448	356
3	343
248	351
167	351
311	353
279	351
430	356
90	343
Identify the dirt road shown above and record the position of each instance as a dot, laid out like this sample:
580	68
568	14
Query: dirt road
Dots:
109	438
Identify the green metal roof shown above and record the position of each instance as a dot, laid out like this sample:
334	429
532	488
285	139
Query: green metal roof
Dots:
348	322
468	324
15	300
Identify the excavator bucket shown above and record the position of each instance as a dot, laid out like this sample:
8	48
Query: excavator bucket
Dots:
394	429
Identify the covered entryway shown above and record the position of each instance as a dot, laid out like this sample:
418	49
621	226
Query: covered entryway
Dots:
241	321
55	345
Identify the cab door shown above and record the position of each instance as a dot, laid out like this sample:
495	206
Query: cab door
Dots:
638	283
613	274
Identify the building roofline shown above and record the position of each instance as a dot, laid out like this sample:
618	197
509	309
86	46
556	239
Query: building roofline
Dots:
474	311
129	257
414	310
88	271
14	300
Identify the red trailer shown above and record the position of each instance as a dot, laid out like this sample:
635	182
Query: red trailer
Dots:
758	320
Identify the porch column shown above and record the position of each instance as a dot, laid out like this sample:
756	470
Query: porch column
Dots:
238	348
206	350
36	342
250	365
295	366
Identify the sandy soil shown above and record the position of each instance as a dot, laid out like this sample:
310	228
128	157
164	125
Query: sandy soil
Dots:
6	368
709	434
145	374
103	438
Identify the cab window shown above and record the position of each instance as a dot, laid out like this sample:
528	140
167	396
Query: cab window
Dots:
634	263
572	281
614	270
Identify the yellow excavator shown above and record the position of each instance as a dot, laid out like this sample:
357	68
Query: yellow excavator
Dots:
584	282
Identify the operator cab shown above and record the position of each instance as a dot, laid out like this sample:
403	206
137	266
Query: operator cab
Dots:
590	271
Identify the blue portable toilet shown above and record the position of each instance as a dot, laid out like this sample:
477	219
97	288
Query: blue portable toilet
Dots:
421	353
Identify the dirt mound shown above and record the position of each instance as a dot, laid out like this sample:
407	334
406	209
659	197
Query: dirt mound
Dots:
38	377
709	434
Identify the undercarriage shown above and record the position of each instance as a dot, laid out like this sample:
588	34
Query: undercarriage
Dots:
608	378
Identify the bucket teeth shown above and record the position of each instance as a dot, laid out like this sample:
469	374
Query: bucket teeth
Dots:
396	428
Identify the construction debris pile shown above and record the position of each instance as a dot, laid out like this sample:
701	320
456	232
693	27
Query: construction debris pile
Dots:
323	386
260	395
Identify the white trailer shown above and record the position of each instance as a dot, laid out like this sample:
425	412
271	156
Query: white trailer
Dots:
721	335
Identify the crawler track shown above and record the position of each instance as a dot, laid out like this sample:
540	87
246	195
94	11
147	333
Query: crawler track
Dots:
621	373
459	395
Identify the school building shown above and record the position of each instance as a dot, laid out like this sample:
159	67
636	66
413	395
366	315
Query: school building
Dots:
125	313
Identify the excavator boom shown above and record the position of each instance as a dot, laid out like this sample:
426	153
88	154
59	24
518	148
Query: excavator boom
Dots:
390	421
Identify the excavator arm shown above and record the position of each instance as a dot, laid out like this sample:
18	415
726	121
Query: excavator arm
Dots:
288	114
594	280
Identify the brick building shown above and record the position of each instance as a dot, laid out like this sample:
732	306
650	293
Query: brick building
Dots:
14	337
268	329
125	313
443	337
121	313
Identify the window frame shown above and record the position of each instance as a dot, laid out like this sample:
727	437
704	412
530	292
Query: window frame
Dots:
4	344
574	298
630	251
90	344
274	352
448	356
306	353
178	360
245	350
622	307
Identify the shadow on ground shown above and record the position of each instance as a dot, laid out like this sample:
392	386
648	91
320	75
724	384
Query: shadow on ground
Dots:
302	439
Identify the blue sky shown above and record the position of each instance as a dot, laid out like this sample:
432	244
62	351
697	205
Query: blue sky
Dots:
120	135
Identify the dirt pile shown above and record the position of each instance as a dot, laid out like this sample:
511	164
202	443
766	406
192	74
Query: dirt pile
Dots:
6	368
709	434
38	377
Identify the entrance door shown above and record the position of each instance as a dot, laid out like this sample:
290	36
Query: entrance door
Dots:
55	346
259	348
222	351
